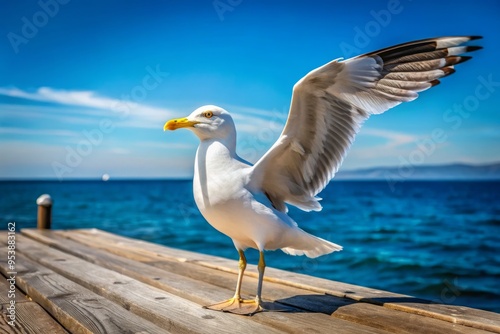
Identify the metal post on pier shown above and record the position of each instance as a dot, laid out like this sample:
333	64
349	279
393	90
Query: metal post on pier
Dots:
44	203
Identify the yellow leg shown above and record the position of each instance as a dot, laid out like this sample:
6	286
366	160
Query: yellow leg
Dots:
242	265
237	304
261	266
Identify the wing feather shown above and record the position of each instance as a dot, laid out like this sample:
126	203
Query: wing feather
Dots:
330	104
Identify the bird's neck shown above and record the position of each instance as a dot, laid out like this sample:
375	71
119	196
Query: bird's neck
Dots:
216	149
225	146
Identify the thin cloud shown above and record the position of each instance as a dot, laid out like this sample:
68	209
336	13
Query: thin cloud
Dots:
394	138
57	113
46	94
36	132
394	142
143	115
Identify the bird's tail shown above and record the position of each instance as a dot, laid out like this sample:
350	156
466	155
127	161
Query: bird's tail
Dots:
310	246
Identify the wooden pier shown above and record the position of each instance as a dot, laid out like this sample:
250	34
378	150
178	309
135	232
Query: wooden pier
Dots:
91	281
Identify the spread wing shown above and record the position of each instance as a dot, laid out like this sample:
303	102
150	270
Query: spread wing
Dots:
330	104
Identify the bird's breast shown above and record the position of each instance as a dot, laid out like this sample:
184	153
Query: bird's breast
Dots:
218	178
214	189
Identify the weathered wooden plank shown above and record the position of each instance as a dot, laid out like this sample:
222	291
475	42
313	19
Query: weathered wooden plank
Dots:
177	275
5	290
393	321
170	262
190	271
5	328
148	269
409	323
29	316
455	314
357	310
199	291
77	309
166	280
161	308
328	304
290	323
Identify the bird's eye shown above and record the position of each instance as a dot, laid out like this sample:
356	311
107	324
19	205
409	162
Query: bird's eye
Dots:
208	114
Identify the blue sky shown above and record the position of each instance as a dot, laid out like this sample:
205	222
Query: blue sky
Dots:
86	86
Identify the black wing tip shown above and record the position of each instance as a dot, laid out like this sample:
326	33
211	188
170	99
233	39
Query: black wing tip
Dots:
472	38
434	82
423	42
469	38
462	59
473	48
448	70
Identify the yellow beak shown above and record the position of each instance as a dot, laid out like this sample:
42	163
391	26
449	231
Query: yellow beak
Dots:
178	123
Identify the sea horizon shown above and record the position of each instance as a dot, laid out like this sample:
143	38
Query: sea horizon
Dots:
456	171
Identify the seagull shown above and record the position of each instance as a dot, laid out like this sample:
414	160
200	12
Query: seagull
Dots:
248	202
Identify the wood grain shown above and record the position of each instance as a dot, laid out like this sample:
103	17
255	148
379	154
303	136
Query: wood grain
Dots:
141	250
199	290
159	307
76	308
342	308
75	274
30	317
193	275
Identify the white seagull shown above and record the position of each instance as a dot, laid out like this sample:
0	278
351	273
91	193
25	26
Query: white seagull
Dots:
328	107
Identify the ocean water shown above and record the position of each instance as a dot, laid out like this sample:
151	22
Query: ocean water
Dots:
434	240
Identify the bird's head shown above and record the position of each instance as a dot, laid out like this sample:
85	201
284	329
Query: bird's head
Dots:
207	122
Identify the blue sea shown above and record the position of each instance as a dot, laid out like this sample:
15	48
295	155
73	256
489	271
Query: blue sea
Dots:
434	240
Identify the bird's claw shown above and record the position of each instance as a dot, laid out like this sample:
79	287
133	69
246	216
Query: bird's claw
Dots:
238	306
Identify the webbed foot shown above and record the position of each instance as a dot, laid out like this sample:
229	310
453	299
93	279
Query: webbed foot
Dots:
238	306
